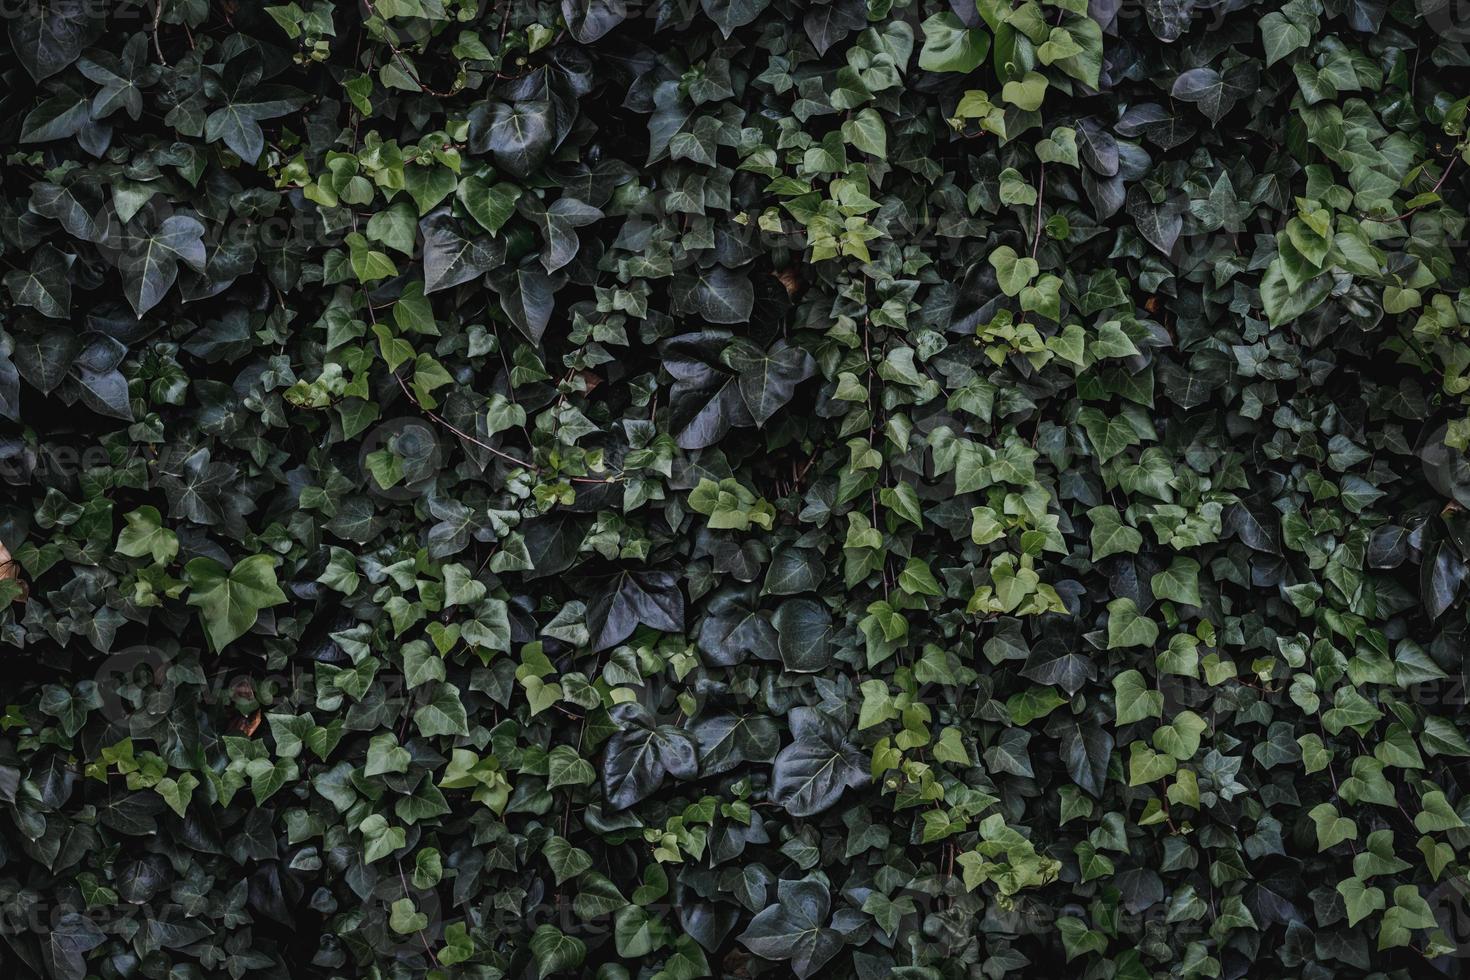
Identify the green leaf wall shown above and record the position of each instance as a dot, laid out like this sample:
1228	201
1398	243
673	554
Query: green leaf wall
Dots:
740	488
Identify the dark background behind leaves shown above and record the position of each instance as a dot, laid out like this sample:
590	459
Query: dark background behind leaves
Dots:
734	488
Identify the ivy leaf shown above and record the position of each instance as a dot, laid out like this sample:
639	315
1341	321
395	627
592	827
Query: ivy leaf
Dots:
46	285
951	47
1281	37
1437	814
527	296
557	225
1332	829
812	773
829	23
1127	628
1360	899
146	535
49	35
1085	749
731	14
1160	224
1057	663
1179	582
796	929
589	20
1215	93
451	259
651	598
441	713
1181	736
230	600
237	122
150	259
704	400
1134	700
1110	536
68	942
555	951
1026	93
768	379
715	295
45	358
641	754
804	628
1013	272
58	118
1108	434
491	205
567	768
517	135
733	628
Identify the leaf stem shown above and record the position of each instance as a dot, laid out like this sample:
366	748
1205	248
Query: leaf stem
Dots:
1040	193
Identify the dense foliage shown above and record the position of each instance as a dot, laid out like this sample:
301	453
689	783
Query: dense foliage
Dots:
869	488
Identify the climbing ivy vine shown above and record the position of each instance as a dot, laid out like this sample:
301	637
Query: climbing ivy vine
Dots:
868	488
